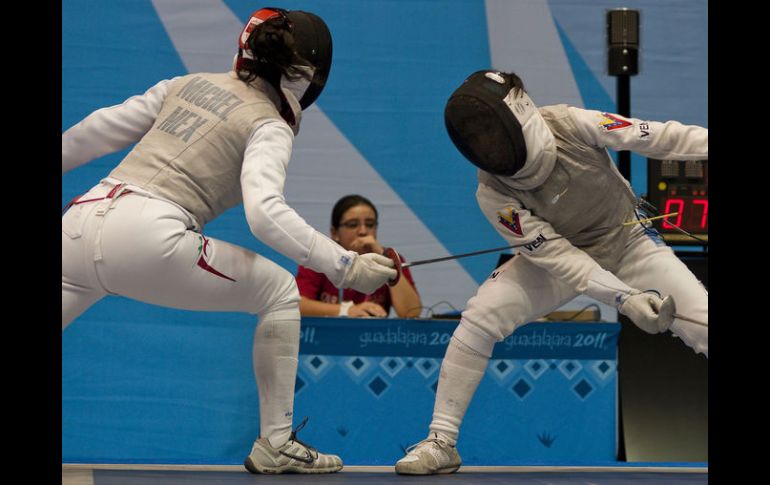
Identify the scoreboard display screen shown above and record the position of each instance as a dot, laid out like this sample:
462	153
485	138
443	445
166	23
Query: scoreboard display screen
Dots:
681	187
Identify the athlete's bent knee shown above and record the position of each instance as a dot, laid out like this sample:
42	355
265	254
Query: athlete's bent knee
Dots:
285	301
474	339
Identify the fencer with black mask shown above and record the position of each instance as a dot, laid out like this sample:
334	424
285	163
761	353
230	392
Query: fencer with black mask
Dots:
206	142
546	178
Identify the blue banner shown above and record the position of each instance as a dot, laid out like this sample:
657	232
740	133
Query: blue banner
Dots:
379	337
175	387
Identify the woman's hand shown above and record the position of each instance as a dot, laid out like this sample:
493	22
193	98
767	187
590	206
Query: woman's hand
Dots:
367	309
366	244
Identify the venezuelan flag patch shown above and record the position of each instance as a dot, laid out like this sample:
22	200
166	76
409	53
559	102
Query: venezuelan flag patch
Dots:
510	219
610	122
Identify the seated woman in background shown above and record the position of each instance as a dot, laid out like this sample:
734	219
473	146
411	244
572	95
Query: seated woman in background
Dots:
354	227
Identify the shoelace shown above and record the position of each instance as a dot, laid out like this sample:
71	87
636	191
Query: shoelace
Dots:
426	440
293	437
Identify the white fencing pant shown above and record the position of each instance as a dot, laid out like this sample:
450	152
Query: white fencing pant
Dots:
145	248
520	292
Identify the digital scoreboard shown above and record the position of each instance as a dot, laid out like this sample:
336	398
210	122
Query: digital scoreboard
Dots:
682	187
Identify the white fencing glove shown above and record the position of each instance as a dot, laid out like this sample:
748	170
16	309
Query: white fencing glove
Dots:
368	272
648	311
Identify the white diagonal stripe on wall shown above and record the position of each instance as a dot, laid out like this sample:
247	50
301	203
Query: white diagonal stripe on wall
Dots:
204	32
523	39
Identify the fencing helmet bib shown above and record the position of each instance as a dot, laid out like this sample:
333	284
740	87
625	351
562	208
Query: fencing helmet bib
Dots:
313	43
495	126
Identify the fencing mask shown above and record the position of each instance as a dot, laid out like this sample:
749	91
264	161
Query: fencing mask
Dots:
494	123
314	43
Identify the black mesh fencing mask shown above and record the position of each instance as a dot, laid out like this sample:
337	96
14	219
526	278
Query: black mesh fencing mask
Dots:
481	122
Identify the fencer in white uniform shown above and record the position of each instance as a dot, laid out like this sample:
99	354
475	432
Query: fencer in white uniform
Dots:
206	142
547	182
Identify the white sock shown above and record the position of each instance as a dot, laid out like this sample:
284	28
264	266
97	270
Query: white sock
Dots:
460	375
275	351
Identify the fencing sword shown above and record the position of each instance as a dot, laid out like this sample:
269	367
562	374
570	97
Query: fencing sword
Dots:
399	266
521	245
691	320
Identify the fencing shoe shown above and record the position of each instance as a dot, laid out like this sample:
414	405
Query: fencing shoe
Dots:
293	457
429	456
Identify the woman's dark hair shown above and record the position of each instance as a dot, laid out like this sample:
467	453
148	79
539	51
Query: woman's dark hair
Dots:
346	203
515	81
275	53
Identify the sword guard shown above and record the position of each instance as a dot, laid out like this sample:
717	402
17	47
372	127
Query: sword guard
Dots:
393	255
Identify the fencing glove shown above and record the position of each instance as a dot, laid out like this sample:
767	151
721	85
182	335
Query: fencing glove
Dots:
368	272
646	310
649	312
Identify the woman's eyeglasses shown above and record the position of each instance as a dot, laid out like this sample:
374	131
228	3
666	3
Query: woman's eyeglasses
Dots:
355	224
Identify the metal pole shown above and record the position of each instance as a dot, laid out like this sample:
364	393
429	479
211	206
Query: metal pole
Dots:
624	109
